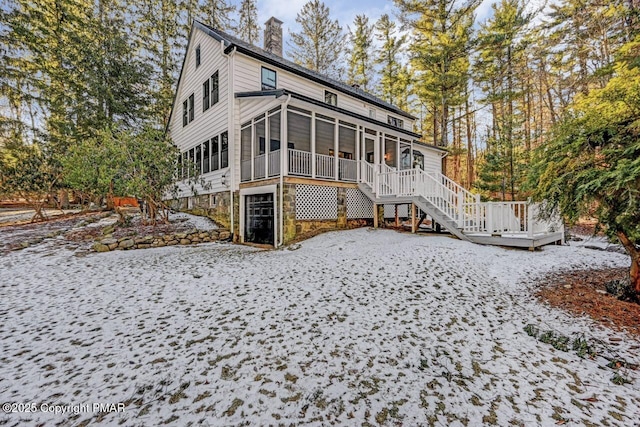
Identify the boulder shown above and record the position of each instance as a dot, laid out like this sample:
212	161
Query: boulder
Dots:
180	235
185	241
192	232
143	245
126	244
109	241
113	246
224	235
172	242
99	247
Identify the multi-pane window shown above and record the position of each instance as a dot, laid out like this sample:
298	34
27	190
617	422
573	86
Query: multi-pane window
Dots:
198	159
393	121
268	79
205	95
197	56
185	113
224	150
191	105
191	161
185	170
215	152
215	96
330	98
205	157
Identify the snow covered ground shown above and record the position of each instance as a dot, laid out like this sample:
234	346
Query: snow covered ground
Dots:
348	327
19	214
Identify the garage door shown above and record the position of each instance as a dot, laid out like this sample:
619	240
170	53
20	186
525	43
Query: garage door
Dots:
259	219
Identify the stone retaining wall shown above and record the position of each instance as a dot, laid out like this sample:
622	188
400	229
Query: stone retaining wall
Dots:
107	244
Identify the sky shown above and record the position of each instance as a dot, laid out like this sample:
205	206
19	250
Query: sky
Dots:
343	11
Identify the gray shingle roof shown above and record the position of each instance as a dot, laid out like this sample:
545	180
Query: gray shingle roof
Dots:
256	52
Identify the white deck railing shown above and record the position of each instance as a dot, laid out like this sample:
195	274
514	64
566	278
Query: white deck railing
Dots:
274	163
325	166
457	203
245	170
259	167
367	174
454	202
299	162
347	170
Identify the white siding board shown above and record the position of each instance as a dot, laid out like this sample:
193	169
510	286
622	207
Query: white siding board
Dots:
209	123
213	121
251	107
248	74
432	159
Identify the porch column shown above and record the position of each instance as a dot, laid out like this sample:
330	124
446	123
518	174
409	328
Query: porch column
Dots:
398	165
359	140
253	149
284	145
313	144
376	152
336	147
267	148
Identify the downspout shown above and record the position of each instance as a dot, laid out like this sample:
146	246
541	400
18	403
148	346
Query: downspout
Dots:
286	158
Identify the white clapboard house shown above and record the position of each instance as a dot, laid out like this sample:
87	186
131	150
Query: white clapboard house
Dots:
287	151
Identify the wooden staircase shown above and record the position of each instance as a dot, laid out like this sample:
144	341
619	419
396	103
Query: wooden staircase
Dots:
458	210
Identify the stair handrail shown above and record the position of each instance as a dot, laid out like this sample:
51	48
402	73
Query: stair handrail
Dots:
468	196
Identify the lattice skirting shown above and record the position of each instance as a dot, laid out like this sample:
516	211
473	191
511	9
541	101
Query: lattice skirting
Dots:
316	202
390	211
358	205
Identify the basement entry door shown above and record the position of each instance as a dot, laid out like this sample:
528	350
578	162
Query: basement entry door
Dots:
259	219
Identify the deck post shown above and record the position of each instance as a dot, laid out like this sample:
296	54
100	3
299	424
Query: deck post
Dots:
313	144
375	215
490	227
413	218
358	147
529	220
478	225
336	152
267	148
396	217
460	209
253	151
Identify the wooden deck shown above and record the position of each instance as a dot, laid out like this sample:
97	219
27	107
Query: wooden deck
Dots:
517	240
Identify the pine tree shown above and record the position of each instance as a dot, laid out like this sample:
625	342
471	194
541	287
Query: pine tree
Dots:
248	27
395	78
318	46
440	56
591	164
501	55
216	14
360	57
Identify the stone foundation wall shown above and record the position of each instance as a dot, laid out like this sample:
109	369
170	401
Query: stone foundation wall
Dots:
151	241
218	210
294	228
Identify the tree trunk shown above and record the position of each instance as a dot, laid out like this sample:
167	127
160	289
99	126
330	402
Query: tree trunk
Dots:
634	271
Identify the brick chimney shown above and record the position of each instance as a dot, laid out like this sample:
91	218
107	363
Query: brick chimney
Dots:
273	36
